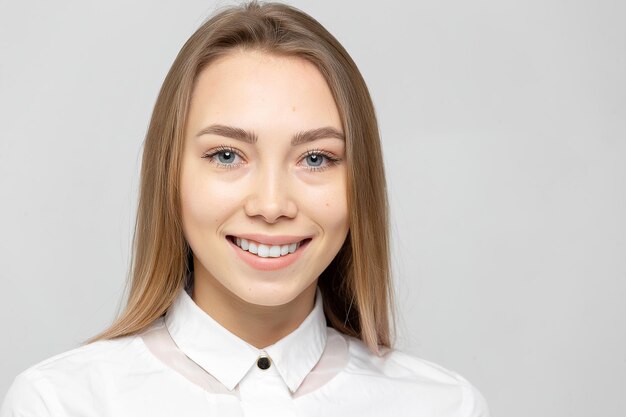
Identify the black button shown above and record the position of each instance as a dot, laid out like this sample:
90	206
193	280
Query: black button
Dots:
263	362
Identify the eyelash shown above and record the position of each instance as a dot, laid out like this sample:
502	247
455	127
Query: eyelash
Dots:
332	160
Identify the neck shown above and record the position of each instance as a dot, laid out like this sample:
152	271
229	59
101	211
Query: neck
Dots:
258	325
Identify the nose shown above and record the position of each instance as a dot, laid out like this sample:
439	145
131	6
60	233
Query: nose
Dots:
270	196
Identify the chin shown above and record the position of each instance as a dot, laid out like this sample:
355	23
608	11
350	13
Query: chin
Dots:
268	294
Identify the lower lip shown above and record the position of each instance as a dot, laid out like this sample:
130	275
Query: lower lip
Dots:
269	263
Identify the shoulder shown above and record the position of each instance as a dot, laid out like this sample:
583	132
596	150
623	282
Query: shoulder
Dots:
103	355
408	376
40	389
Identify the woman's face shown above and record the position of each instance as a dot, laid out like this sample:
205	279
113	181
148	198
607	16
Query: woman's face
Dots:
264	157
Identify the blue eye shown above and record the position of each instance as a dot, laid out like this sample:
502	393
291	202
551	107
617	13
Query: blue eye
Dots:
228	156
314	159
316	156
225	157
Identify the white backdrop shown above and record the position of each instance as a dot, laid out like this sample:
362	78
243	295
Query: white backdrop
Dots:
504	134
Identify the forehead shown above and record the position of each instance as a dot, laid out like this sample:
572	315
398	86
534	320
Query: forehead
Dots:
251	88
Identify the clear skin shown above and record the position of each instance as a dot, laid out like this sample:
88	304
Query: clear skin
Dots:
269	187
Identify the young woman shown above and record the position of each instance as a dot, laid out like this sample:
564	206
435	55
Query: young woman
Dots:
260	280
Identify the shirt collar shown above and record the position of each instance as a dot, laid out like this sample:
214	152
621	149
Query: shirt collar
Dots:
229	358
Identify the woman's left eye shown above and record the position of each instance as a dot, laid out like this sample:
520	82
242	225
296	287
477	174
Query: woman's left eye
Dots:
314	160
316	157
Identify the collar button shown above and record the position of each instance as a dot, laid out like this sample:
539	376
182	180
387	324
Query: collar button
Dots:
263	363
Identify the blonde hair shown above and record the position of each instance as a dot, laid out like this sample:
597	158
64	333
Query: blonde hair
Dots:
357	292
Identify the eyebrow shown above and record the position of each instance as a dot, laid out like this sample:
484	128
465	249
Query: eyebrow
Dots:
251	137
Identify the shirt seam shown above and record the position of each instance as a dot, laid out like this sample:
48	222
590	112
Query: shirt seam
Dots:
173	371
40	383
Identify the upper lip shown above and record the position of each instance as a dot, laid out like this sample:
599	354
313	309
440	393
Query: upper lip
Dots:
271	240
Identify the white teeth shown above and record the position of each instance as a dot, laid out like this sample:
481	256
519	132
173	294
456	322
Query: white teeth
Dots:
263	251
266	251
275	251
253	248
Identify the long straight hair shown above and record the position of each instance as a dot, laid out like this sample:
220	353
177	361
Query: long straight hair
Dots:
356	286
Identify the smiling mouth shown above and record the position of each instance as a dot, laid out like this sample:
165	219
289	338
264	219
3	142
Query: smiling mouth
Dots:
267	251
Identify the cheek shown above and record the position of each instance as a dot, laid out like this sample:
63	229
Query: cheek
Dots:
205	200
337	209
328	205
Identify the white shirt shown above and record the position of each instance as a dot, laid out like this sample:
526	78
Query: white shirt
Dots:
187	364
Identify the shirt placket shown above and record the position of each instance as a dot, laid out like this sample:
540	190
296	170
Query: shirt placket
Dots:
263	392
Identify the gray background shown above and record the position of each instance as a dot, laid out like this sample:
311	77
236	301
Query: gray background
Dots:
504	135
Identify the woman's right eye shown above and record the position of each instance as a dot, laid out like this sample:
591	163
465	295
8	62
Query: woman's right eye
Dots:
223	157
